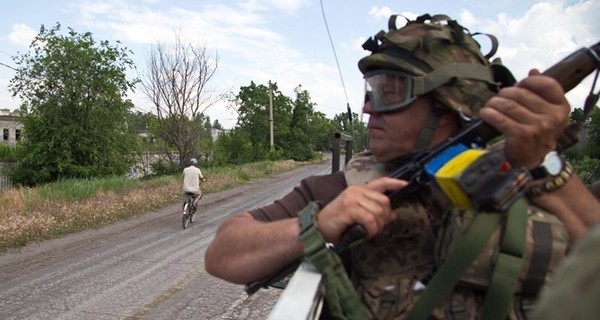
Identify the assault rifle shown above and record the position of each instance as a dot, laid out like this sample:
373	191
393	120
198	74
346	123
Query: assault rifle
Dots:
569	72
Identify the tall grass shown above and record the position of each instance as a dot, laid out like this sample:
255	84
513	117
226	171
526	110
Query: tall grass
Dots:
34	214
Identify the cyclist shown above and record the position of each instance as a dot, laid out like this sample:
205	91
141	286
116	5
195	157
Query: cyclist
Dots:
191	181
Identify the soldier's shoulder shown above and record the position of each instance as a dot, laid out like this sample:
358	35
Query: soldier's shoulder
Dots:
575	292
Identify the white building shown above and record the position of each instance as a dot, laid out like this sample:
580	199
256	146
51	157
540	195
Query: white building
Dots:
11	128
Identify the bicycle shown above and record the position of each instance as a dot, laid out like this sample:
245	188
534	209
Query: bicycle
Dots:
189	211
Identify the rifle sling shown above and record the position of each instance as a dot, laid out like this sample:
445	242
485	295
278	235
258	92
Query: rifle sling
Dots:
342	299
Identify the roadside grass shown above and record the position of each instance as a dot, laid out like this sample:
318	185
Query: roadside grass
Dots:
34	214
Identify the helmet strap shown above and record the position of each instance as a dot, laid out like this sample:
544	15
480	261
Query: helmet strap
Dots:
431	124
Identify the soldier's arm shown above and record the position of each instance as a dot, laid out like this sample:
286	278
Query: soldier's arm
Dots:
245	249
574	205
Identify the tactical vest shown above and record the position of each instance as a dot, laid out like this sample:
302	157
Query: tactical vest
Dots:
392	269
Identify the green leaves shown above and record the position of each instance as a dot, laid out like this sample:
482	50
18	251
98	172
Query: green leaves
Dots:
73	91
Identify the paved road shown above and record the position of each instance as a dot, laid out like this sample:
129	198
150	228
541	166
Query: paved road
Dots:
147	267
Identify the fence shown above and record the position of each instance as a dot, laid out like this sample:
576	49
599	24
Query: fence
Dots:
5	182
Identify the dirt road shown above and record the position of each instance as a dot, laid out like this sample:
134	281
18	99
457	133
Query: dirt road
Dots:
147	267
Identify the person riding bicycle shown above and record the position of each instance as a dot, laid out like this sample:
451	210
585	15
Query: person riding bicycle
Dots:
191	181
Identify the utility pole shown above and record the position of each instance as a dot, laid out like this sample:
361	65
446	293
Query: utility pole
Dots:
271	114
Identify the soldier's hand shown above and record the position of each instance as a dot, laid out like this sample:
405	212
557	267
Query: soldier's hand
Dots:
532	115
366	205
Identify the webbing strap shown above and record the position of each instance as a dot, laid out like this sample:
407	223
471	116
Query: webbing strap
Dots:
449	274
540	258
508	265
441	76
342	299
506	270
426	134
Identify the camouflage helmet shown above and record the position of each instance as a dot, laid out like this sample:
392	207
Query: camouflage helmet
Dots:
443	57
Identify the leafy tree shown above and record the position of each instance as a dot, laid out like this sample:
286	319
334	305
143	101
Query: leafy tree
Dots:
593	126
354	128
585	156
217	125
177	82
140	120
233	147
73	110
323	129
253	105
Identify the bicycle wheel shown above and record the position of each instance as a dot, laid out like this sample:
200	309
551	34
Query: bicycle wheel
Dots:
193	215
185	216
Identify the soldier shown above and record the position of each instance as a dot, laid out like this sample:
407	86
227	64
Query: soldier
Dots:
574	295
424	82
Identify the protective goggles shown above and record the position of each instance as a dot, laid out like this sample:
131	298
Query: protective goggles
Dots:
389	90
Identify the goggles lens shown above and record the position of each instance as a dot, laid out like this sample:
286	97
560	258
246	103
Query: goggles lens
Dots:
389	90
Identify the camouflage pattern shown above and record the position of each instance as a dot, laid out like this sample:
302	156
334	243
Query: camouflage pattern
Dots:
436	44
575	292
389	271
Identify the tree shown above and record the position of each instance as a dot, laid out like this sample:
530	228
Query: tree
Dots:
593	127
176	82
74	109
303	132
355	128
253	118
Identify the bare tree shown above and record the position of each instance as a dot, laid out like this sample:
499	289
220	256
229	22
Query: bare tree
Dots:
176	82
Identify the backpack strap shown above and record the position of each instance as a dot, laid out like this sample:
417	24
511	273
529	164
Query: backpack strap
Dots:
506	271
509	262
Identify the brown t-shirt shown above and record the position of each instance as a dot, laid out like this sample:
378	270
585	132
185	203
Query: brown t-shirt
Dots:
322	188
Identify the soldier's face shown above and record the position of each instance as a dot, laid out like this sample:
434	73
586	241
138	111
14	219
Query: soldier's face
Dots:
393	134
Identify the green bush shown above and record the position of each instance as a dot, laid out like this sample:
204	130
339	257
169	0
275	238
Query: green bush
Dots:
163	167
8	152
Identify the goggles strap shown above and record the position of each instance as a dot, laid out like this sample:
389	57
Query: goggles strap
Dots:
443	75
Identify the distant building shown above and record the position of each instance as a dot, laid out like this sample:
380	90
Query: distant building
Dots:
215	133
10	126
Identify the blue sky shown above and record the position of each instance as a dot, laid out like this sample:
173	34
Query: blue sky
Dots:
287	41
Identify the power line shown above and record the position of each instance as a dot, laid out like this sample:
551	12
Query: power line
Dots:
349	111
4	64
334	53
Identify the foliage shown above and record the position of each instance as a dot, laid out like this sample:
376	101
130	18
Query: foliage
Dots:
353	127
588	169
233	147
8	152
254	118
298	130
73	110
592	148
586	156
162	167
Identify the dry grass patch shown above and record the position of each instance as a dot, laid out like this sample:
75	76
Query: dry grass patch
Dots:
34	214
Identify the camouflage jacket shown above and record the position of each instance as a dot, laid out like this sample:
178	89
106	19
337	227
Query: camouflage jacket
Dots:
392	269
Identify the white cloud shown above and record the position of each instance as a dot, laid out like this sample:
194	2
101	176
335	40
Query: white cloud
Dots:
380	13
542	36
22	35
